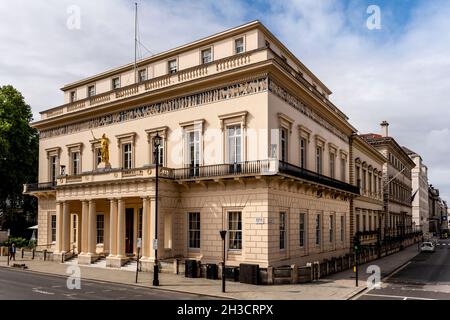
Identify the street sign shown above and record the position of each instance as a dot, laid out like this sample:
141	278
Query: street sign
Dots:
259	220
139	242
155	244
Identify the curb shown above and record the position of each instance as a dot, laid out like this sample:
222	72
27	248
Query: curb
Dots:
123	284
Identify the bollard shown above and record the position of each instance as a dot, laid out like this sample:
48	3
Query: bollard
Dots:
22	252
8	259
32	254
45	254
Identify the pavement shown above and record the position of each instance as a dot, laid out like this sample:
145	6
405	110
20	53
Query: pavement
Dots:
425	277
339	286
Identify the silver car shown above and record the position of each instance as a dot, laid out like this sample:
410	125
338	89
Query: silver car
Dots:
427	247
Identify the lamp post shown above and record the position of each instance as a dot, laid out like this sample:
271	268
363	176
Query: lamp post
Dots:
157	143
223	234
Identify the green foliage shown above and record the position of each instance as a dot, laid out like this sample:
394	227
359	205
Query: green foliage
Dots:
19	242
18	161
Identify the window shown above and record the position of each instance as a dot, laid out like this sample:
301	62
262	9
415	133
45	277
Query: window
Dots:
239	45
127	156
194	230
53	225
74	228
172	66
73	96
364	186
194	148
319	160
370	182
284	145
331	230
235	230
358	177
98	156
75	158
370	223
142	75
91	91
115	83
53	164
282	230
332	165
100	228
343	171
342	228
318	229
160	152
234	144
364	222
357	223
303	146
302	230
206	56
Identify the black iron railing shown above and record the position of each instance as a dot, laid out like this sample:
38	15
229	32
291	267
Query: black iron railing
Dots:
234	169
302	173
46	186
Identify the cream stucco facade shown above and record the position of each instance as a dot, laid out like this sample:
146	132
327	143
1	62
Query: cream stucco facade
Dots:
251	144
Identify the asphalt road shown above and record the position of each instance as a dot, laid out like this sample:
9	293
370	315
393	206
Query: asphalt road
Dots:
25	285
425	277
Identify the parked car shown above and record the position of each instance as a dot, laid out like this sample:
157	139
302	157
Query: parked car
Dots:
427	247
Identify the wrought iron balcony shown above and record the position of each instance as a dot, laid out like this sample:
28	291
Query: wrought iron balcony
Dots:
302	173
257	167
234	170
39	187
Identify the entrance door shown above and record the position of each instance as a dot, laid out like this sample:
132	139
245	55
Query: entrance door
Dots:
129	234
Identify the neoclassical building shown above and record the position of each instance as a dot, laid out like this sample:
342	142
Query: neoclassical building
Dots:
397	183
251	144
367	210
419	176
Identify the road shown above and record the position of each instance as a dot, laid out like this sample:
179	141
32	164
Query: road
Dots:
425	277
26	285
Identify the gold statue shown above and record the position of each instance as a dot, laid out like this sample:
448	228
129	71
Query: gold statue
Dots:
104	148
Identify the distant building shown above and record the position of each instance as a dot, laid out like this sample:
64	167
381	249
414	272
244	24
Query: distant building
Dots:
367	174
397	183
419	197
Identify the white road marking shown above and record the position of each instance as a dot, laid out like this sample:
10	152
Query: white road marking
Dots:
398	297
42	291
90	292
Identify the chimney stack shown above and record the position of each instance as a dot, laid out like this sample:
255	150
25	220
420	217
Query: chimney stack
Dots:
385	129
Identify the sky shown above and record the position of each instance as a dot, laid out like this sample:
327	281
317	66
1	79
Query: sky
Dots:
398	72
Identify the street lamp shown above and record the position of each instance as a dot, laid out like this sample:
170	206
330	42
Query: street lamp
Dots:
223	234
157	143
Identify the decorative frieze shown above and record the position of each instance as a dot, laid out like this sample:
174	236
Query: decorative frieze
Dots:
303	108
232	91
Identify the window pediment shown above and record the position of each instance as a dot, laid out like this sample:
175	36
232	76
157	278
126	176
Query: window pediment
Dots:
285	121
235	117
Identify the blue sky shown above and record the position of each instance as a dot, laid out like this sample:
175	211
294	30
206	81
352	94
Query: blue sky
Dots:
398	73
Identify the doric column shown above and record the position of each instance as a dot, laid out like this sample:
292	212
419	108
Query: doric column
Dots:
59	227
113	227
152	227
65	227
121	229
145	229
84	226
92	228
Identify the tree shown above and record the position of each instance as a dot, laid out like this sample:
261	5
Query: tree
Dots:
19	148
